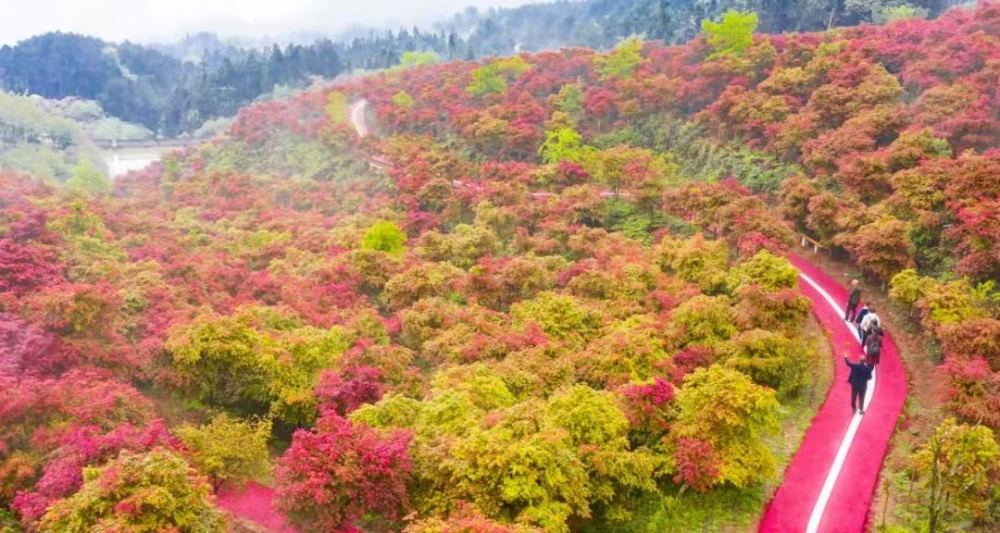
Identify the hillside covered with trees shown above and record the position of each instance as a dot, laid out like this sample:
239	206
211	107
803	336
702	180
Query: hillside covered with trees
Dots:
175	89
43	145
555	300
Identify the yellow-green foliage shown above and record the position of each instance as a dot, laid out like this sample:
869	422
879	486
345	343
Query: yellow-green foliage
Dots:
622	61
392	411
483	387
424	281
628	352
336	107
384	236
403	100
87	249
705	320
462	247
258	360
412	59
767	270
536	462
733	35
941	303
908	287
611	167
726	408
561	317
88	181
570	100
139	493
697	260
951	302
955	472
769	358
632	282
493	78
228	450
564	144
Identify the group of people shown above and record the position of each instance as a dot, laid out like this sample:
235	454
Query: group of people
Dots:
869	326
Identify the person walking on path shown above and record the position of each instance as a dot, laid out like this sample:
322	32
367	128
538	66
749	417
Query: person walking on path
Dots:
869	323
873	347
852	302
860	374
859	318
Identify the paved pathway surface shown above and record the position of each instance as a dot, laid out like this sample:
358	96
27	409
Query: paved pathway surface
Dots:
254	503
829	485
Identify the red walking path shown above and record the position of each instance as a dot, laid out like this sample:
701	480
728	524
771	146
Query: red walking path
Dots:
255	503
828	486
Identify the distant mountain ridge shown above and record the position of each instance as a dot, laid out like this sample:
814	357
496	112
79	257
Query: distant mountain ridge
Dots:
175	88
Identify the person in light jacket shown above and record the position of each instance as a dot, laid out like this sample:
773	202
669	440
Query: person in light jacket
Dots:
869	324
861	316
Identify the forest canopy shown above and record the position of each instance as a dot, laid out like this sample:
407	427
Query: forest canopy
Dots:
549	292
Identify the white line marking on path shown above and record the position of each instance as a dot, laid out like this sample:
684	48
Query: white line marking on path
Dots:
852	429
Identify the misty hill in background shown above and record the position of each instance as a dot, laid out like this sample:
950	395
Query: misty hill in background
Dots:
174	89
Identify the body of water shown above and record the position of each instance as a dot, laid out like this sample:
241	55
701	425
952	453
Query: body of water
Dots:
121	162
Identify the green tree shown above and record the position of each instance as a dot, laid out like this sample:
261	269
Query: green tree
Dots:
486	80
698	260
956	468
705	320
560	316
384	236
462	247
414	59
422	281
570	100
733	35
228	449
624	167
563	144
493	78
140	493
258	360
898	12
726	409
403	100
621	62
336	108
767	270
88	181
907	287
770	359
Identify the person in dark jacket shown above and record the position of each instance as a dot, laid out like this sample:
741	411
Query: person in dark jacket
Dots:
873	346
852	301
860	374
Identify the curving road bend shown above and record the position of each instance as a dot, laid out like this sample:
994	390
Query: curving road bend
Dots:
829	485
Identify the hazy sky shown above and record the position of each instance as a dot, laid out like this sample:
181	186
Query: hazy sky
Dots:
145	20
